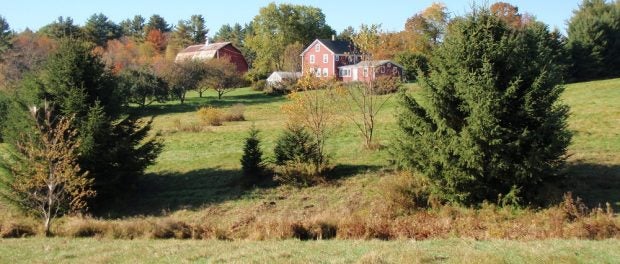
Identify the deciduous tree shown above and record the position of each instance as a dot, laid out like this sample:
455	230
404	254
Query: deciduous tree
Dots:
221	76
46	179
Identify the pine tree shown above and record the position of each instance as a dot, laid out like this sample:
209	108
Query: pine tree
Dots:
252	159
594	40
492	123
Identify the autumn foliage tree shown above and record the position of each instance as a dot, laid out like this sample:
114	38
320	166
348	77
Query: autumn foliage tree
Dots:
46	179
221	76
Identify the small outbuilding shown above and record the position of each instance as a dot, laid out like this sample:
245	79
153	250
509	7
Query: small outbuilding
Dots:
370	70
278	77
218	50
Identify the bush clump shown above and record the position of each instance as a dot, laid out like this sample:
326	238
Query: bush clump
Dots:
210	116
296	156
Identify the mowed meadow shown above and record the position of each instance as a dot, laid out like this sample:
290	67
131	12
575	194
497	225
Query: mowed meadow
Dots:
196	191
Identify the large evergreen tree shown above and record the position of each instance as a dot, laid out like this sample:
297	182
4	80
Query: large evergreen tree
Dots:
99	29
492	122
594	40
114	146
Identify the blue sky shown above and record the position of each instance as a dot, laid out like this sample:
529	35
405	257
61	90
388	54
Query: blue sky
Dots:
392	14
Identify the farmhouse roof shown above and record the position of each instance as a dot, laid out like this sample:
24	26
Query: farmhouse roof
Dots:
371	63
335	46
205	47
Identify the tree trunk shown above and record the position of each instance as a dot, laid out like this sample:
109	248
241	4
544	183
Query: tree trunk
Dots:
200	93
46	225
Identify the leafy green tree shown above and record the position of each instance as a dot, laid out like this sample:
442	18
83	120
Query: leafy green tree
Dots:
5	36
594	40
296	144
221	76
277	26
492	125
61	28
252	159
99	29
133	27
142	87
157	22
413	63
182	77
198	29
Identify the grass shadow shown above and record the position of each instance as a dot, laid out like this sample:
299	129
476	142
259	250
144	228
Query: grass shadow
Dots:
343	171
157	194
193	103
596	184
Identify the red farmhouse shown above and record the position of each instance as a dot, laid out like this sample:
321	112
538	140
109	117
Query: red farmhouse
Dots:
324	56
214	50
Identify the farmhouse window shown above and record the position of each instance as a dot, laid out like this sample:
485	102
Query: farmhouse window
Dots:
325	58
345	73
325	72
365	72
337	58
311	58
318	72
317	47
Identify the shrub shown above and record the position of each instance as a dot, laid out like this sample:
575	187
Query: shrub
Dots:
252	159
235	113
259	85
16	230
404	192
177	126
295	145
296	173
211	116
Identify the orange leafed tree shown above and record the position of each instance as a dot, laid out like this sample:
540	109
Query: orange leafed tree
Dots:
47	180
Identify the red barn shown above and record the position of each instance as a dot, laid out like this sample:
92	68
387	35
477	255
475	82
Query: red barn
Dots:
324	56
212	51
366	71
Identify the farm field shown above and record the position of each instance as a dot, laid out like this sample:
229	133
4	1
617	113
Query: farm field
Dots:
59	250
197	180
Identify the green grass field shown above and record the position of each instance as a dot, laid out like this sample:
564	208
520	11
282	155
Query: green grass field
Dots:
197	179
58	250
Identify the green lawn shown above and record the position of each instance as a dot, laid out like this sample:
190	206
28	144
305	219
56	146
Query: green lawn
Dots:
60	250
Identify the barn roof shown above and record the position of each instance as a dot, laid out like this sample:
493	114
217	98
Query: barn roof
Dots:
203	47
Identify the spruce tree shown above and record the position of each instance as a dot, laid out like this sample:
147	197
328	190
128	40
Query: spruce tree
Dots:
114	145
252	159
594	40
492	122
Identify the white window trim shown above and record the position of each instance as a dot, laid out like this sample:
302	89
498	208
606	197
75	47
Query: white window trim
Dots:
337	58
311	58
317	72
345	72
325	72
325	58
